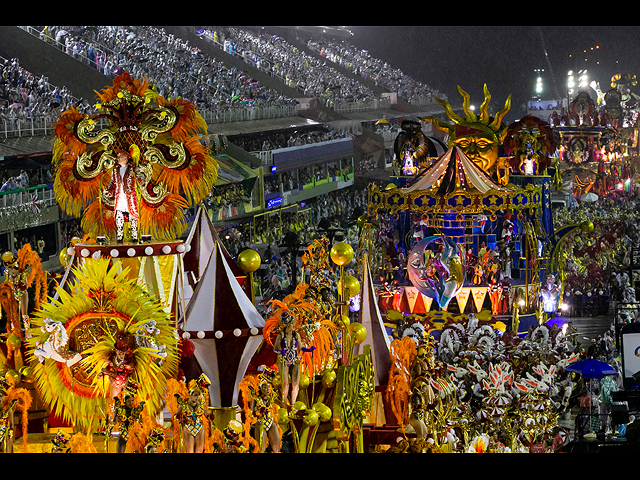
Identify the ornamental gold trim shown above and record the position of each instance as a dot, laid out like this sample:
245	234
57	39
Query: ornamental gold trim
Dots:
85	132
167	120
459	201
176	150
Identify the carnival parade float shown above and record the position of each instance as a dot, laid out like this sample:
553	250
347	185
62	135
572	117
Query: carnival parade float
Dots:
152	341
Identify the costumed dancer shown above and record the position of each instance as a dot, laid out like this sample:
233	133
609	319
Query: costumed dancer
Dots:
60	442
192	414
125	414
262	403
550	296
6	418
288	348
119	366
495	293
123	188
154	439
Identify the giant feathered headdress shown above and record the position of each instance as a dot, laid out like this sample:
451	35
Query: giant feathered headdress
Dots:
162	136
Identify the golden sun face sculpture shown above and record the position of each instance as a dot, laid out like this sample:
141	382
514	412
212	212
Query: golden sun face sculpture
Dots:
479	136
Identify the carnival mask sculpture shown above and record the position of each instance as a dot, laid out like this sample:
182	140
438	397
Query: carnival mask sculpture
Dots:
479	137
439	275
530	141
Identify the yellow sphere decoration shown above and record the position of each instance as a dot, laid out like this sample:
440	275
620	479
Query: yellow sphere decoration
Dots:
390	186
342	321
323	411
63	257
311	418
13	377
7	257
27	373
75	240
341	253
329	378
359	332
283	416
352	285
586	226
249	260
304	380
14	341
299	406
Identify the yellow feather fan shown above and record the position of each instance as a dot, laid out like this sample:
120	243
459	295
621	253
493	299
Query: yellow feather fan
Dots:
103	304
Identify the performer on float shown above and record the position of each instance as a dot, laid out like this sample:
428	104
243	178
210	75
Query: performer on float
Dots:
192	415
478	273
288	347
6	418
60	442
505	288
119	366
124	190
125	415
550	295
232	442
495	293
155	438
262	403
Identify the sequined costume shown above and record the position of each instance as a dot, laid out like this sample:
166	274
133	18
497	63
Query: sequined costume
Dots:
5	431
126	417
192	420
289	352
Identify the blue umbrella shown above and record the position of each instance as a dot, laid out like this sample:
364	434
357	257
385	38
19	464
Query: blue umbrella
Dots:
592	368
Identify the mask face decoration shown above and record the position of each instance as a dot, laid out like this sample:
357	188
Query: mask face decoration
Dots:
437	273
478	136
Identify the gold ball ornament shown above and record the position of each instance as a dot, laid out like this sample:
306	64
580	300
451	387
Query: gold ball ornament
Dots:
14	341
342	321
341	253
352	285
359	332
27	373
63	257
329	378
13	377
299	406
249	260
323	411
311	418
75	240
277	379
390	186
7	257
283	416
304	380
586	226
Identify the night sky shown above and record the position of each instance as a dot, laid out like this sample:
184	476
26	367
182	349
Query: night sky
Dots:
503	57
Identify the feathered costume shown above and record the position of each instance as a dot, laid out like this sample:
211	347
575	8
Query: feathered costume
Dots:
174	169
104	306
316	334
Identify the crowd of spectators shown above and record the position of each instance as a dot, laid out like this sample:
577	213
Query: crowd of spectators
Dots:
172	65
598	259
271	53
274	140
24	95
361	62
